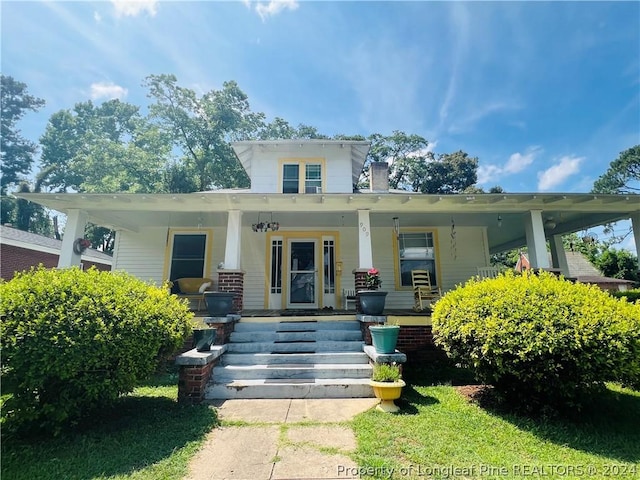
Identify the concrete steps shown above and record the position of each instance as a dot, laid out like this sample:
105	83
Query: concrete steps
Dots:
293	359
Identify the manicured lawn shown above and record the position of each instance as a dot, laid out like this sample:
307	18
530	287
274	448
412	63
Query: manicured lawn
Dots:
146	436
439	430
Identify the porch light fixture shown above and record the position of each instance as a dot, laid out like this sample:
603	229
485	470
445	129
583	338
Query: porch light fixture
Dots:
264	226
549	224
396	226
499	221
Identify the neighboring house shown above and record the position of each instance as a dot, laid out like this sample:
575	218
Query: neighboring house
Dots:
302	233
585	272
20	250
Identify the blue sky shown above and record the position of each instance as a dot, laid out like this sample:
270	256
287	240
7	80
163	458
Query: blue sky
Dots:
546	95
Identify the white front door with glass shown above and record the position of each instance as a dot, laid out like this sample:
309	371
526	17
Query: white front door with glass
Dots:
303	274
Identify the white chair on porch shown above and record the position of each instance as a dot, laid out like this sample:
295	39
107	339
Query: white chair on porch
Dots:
348	296
488	272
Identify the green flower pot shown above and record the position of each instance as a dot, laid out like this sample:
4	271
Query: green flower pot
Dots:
384	337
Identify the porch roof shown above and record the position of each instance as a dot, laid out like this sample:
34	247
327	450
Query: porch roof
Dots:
502	214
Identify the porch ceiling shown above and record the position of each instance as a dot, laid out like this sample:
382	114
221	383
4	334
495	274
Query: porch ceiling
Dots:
570	212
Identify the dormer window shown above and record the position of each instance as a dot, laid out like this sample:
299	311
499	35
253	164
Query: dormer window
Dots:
310	181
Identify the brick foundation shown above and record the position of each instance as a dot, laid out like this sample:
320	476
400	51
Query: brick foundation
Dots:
223	332
416	341
360	282
232	281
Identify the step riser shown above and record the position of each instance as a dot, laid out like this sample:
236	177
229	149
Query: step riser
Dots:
279	326
224	374
320	336
220	391
264	347
308	358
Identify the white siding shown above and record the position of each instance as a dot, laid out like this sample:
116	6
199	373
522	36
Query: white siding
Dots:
265	169
143	253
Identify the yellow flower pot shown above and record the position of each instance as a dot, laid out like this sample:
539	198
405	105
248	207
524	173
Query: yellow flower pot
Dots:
387	392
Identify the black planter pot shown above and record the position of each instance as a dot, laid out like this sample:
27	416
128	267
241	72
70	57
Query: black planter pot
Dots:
219	304
372	301
203	339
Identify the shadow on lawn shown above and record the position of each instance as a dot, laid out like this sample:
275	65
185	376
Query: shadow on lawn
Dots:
608	425
136	432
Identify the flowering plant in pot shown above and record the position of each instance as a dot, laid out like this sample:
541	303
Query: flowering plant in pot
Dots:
372	300
387	384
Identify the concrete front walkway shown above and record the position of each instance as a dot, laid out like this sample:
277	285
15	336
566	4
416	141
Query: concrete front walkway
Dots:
281	439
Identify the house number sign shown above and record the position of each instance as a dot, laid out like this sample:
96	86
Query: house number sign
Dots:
364	229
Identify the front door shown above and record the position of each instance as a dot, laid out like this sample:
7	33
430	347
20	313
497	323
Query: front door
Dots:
303	274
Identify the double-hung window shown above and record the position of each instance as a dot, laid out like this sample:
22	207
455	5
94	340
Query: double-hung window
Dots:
416	251
302	177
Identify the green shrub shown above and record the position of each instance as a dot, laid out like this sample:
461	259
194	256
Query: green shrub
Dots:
540	340
385	372
73	341
632	295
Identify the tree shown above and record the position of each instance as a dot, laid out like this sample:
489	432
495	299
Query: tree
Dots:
202	128
448	173
413	167
104	149
403	152
623	175
16	151
618	264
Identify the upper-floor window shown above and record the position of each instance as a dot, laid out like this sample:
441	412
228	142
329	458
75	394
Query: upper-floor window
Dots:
302	177
416	252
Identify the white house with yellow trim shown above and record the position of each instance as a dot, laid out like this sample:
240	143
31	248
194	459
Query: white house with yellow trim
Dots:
318	229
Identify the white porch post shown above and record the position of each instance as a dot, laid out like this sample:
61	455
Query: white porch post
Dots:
558	255
635	224
234	235
365	253
536	243
76	223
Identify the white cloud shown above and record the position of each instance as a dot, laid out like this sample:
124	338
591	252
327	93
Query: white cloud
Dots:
273	7
488	173
97	17
108	90
132	8
518	161
555	175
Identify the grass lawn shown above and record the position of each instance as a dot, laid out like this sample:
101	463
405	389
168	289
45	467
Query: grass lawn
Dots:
439	433
147	435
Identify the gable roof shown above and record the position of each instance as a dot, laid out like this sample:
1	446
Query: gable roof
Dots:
33	241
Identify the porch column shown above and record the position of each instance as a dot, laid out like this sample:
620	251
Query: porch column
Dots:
635	224
231	278
365	253
536	242
234	236
558	255
74	229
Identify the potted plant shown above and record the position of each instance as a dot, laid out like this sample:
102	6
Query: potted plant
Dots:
372	300
384	337
219	304
387	384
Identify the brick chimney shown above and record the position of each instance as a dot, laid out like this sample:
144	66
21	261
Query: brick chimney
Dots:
379	177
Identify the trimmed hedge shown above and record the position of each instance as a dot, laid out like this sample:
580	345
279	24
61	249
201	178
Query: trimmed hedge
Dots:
631	295
541	341
75	340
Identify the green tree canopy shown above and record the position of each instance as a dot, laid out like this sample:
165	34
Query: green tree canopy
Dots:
202	127
104	148
623	175
16	151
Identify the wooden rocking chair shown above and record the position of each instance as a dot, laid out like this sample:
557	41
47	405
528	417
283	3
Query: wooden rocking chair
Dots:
423	290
